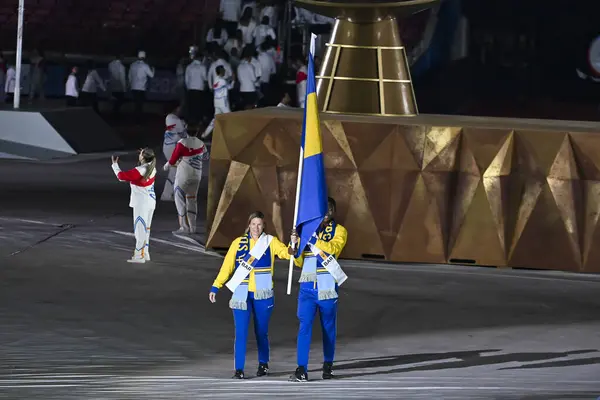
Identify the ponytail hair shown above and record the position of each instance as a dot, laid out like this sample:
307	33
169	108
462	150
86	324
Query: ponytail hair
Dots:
149	159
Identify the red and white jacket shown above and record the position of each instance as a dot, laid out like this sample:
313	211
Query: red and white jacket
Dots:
221	89
175	129
192	151
142	190
301	77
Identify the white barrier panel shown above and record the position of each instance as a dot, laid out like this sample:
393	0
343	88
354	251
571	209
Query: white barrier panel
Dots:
12	156
28	135
30	129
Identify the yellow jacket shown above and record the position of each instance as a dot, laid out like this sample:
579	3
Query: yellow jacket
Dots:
333	246
227	268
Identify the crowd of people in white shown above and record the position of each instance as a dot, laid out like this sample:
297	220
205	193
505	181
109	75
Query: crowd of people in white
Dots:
243	41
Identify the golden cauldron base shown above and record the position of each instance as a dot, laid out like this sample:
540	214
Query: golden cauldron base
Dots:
365	68
424	189
365	71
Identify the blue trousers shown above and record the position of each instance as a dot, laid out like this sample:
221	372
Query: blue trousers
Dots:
260	311
308	304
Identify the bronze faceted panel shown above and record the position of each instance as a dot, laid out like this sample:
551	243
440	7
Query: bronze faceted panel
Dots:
424	189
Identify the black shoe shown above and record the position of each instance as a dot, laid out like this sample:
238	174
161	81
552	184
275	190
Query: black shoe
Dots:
263	369
299	376
239	374
328	370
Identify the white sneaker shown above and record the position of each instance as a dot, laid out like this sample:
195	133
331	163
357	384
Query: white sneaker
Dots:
181	231
136	260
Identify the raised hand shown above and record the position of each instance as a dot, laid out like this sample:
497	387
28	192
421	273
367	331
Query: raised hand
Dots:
114	159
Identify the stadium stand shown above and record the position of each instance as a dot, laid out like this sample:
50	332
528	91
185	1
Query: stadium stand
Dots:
76	26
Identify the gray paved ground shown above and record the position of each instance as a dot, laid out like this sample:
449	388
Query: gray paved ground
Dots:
78	322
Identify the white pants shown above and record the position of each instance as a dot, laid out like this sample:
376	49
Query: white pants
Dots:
223	109
167	194
142	219
187	184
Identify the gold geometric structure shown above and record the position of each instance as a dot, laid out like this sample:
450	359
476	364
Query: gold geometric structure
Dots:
424	189
365	69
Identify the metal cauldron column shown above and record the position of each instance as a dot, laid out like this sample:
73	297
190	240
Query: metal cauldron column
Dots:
365	68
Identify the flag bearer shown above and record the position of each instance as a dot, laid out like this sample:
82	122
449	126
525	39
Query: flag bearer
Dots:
319	291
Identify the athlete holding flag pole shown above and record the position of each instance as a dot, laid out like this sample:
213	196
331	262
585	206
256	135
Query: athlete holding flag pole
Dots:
320	240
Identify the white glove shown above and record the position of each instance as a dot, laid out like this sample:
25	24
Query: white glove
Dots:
166	167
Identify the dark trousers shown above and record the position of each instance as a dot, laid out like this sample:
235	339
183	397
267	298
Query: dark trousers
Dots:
230	27
71	101
119	99
266	99
90	100
248	100
208	107
139	96
264	88
194	105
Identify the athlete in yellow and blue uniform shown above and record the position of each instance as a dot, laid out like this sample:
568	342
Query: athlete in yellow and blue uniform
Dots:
319	291
254	296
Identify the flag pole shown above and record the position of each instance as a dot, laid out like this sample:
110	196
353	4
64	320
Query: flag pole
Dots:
313	38
298	184
17	93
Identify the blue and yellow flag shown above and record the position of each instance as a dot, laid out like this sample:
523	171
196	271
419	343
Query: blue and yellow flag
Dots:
312	200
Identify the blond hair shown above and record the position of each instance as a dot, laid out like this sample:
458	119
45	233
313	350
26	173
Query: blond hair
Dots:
255	214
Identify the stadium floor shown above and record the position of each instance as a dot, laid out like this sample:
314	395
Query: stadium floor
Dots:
78	322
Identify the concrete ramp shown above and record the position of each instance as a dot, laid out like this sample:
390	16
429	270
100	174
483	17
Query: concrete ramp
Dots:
50	134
